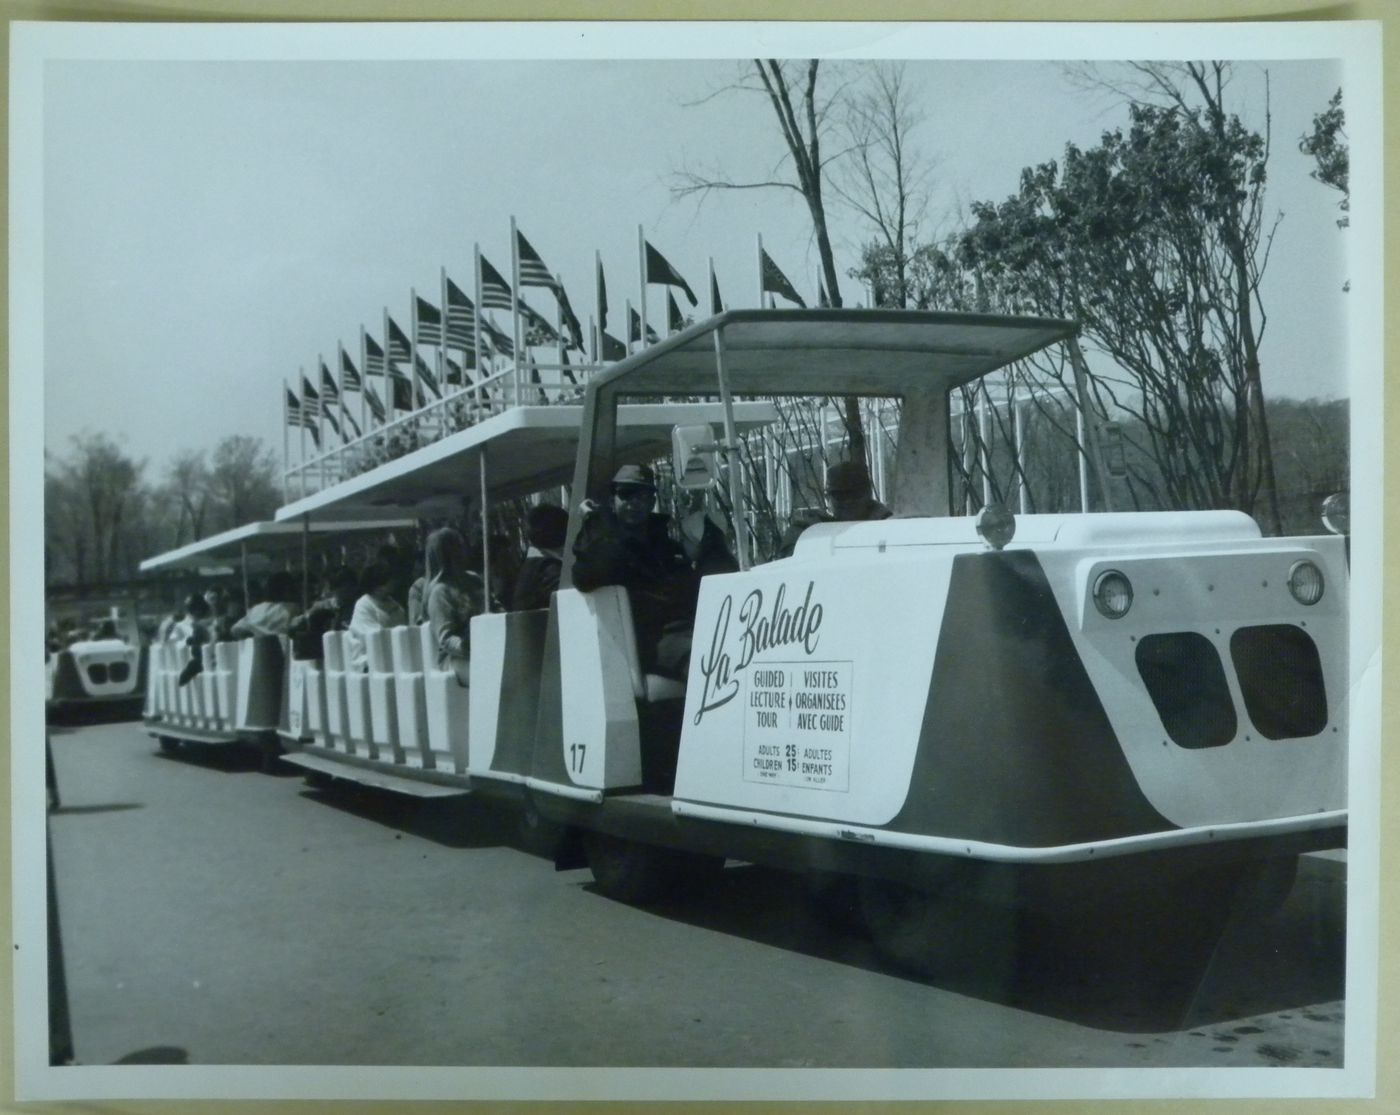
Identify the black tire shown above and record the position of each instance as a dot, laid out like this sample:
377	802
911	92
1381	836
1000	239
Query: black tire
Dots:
168	745
643	873
1264	887
939	930
538	836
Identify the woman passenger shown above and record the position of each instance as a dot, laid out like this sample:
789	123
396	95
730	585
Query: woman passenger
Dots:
455	594
375	610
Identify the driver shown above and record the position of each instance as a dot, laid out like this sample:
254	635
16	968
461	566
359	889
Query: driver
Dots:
627	543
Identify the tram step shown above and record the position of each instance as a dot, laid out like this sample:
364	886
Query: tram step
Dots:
375	776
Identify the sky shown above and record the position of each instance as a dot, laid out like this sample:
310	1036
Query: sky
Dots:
211	227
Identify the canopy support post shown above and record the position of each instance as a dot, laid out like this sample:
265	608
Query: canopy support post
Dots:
731	445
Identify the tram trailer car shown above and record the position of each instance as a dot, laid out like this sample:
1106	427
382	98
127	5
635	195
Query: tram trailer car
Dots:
1008	712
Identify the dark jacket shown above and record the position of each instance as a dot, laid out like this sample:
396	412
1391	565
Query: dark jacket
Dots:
536	581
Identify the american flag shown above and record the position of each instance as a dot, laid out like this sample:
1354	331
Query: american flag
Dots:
533	272
399	347
495	291
571	321
374	357
329	391
461	318
403	390
497	341
454	372
293	409
310	401
348	372
427	322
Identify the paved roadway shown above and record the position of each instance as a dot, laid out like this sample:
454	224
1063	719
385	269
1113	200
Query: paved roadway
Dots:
216	915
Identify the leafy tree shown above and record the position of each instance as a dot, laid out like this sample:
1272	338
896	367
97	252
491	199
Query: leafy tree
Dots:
243	481
1327	144
1155	241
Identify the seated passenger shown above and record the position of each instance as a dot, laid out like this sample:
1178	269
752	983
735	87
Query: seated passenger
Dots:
545	528
455	594
627	544
331	612
376	610
848	492
193	631
273	615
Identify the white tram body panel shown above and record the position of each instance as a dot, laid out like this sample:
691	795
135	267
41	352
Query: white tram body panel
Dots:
902	678
94	672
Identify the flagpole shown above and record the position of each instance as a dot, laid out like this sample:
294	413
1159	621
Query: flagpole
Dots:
417	380
442	349
628	319
480	322
390	410
286	443
714	309
515	306
321	435
559	328
642	261
364	379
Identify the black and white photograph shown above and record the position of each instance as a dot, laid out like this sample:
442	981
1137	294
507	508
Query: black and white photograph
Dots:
640	561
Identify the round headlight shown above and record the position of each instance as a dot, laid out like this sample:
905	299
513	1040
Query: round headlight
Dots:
1305	582
1336	513
996	525
1113	594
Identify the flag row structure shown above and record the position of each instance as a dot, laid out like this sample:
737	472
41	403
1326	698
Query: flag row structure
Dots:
475	367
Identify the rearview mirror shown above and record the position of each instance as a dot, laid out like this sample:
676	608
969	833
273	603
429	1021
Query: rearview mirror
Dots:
693	456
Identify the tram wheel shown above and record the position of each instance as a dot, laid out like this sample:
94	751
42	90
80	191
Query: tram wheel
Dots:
168	744
938	931
537	835
642	873
1264	887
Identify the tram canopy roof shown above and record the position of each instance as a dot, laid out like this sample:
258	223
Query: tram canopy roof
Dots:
263	539
527	449
834	352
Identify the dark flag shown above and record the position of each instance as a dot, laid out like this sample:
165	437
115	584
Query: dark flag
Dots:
495	291
822	299
716	304
775	282
461	318
403	390
661	272
634	328
674	322
537	330
329	390
454	372
376	406
427	322
399	348
425	373
293	408
348	372
374	357
602	298
497	341
311	407
613	349
571	321
533	272
568	373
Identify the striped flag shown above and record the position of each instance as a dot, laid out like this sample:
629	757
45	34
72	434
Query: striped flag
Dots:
497	341
662	273
775	282
533	271
456	374
461	318
293	409
495	291
329	390
674	322
427	322
312	406
349	373
374	357
400	350
402	387
330	393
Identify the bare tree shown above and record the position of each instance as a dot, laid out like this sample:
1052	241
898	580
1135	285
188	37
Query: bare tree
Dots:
805	118
243	481
91	497
885	178
187	490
